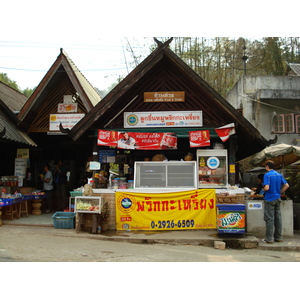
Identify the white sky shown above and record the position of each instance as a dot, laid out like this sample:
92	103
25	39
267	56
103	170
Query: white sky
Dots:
92	32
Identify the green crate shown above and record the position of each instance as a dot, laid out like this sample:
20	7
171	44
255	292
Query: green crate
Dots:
64	220
75	193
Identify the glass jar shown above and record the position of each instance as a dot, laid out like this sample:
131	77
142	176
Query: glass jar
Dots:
115	183
122	183
130	184
15	181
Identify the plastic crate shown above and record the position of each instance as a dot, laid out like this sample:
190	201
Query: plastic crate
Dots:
75	193
63	220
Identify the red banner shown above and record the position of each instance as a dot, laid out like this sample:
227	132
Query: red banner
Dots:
225	131
137	140
200	138
107	138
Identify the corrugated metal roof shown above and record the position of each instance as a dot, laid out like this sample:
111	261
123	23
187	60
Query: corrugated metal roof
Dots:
295	68
13	99
12	133
94	97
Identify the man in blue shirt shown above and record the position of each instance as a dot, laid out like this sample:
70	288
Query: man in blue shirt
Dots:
274	186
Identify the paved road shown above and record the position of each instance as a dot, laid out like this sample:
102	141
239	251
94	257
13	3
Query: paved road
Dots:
35	244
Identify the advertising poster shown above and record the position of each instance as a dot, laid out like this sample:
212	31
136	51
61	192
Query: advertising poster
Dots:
200	138
138	140
185	210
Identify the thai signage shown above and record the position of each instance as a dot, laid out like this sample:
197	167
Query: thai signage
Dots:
163	119
137	140
68	121
164	96
67	107
186	210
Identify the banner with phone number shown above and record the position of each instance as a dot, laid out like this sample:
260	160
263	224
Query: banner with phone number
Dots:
185	210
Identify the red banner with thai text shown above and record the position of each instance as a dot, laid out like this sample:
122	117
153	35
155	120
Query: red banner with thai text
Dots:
137	140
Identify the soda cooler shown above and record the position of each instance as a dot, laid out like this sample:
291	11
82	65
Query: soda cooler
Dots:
212	169
231	218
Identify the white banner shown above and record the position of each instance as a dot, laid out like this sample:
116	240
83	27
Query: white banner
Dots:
163	119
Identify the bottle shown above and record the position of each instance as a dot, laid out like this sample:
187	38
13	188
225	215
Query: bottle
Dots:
202	162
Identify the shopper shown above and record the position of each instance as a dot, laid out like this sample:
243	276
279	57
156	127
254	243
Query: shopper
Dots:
48	187
274	186
60	180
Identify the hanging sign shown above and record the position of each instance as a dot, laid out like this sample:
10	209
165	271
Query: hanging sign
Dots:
67	107
68	121
186	210
200	138
138	140
164	96
163	119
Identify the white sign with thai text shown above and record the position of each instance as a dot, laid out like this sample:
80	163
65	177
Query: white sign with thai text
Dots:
163	119
68	121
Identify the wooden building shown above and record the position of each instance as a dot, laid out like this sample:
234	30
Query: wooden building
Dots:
62	81
163	70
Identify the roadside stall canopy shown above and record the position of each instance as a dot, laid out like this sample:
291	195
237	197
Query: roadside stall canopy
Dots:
282	155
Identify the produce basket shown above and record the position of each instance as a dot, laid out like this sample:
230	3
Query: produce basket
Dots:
227	199
64	220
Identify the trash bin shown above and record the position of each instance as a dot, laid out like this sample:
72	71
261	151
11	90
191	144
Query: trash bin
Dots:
231	218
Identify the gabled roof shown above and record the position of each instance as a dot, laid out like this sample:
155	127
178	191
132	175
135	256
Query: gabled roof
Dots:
163	70
63	78
8	128
13	99
293	69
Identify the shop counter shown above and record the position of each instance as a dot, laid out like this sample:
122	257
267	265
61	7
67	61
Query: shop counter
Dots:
255	223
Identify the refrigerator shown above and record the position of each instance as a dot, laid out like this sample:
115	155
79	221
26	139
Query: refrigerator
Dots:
212	168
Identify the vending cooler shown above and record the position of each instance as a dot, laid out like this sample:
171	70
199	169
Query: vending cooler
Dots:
212	168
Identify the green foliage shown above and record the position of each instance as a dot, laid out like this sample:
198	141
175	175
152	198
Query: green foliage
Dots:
27	92
4	78
293	178
206	56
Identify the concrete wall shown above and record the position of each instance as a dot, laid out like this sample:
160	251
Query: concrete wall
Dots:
255	223
274	93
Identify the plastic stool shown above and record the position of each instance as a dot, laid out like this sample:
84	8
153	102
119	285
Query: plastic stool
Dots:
23	208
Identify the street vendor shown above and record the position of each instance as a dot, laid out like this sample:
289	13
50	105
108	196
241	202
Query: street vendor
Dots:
258	191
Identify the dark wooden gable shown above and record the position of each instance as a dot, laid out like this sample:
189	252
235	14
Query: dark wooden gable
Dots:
162	70
63	78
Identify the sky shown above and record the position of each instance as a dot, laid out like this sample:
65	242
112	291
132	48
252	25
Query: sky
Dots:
95	33
101	60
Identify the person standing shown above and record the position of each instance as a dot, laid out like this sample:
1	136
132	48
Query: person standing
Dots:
274	186
60	175
48	187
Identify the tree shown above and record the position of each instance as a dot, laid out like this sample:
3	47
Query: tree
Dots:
4	78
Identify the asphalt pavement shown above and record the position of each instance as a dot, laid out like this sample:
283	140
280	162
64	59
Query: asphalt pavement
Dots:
177	237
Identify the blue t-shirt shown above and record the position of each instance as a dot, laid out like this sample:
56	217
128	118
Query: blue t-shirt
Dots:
275	181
